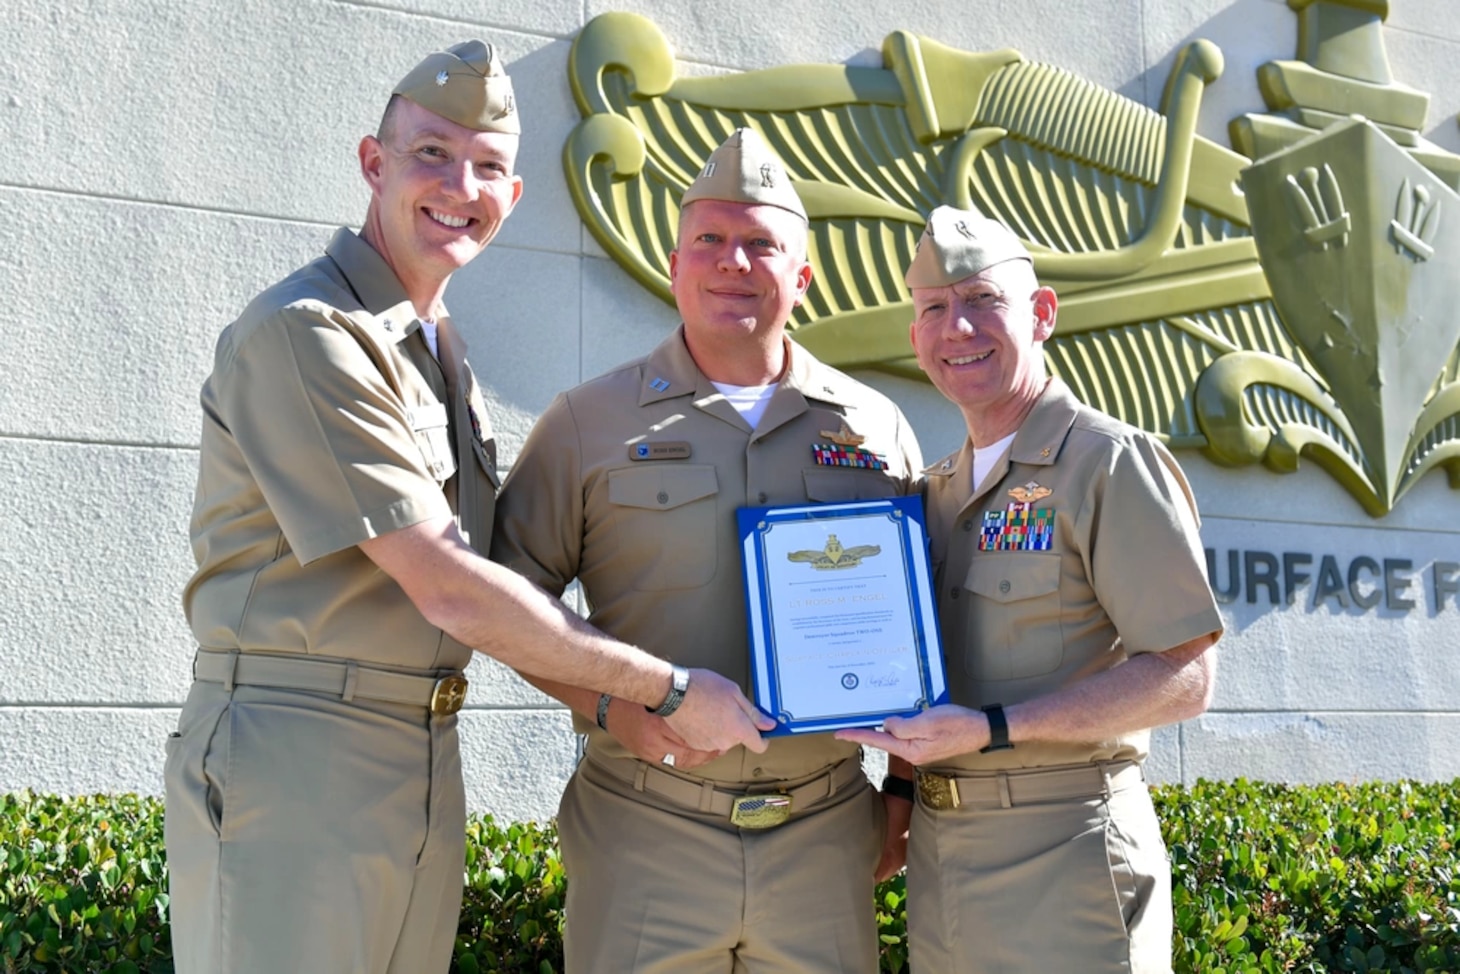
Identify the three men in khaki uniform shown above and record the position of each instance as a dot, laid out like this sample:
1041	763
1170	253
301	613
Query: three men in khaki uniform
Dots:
1075	615
315	809
630	484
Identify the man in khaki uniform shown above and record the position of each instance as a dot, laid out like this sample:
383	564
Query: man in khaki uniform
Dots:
630	484
1075	615
315	809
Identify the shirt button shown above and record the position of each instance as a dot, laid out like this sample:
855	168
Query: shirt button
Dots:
761	498
663	497
758	773
968	525
953	593
1004	586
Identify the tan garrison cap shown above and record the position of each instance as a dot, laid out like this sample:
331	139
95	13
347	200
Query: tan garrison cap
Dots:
958	244
745	170
466	84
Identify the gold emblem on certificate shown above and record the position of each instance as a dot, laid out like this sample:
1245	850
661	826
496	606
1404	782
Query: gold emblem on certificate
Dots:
834	556
842	632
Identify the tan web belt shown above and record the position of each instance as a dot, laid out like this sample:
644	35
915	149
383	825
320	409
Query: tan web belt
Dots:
1033	786
343	678
760	809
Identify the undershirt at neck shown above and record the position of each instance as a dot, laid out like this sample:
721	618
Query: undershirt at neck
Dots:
428	332
985	458
749	401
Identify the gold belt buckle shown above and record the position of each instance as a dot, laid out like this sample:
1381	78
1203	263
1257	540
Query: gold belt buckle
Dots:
448	695
938	792
760	811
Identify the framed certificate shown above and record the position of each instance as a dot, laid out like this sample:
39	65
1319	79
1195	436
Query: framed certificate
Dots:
842	627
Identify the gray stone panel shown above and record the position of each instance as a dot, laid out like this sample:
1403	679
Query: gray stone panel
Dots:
83	750
519	313
93	555
255	108
1249	32
1318	747
516	762
1100	41
621	319
1327	657
114	327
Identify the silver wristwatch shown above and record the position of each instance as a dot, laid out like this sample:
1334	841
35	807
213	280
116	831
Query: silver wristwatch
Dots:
678	684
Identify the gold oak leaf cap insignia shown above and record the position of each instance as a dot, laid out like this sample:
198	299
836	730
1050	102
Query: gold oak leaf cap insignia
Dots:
465	84
744	169
1029	492
960	243
844	436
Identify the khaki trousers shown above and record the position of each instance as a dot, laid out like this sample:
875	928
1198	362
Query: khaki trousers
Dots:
1081	885
656	889
309	834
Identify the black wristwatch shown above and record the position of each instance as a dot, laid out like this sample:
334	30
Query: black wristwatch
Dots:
604	699
899	787
998	729
678	684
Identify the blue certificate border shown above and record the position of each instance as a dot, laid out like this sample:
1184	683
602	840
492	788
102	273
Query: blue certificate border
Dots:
907	514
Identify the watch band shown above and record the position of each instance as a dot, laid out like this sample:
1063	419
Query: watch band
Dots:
899	787
998	729
678	684
604	699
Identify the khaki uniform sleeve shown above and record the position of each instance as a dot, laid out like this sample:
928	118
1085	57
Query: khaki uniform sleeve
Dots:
1147	564
539	529
912	456
324	434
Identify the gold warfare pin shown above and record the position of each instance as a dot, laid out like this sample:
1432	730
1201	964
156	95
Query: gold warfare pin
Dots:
1030	493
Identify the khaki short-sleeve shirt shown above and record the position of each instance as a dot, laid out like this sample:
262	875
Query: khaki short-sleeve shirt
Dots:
1080	551
326	421
630	483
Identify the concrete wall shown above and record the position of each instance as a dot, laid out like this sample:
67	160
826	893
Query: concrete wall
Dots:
165	160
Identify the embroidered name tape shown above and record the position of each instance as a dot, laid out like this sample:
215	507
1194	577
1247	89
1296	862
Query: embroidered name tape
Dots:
661	450
1018	527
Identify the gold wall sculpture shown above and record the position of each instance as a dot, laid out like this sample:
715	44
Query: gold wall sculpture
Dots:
1295	305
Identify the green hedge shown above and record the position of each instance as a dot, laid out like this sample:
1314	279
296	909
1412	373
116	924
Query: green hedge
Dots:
1267	878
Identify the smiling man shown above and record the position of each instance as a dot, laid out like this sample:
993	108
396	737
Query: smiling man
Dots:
682	859
346	488
1075	614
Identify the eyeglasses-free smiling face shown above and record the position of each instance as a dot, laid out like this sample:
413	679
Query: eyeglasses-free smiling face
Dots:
439	192
980	340
739	270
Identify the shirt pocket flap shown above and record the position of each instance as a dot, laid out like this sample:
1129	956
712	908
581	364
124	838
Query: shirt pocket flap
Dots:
427	417
661	488
1013	576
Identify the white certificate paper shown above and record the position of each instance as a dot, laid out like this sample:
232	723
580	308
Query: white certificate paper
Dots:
842	626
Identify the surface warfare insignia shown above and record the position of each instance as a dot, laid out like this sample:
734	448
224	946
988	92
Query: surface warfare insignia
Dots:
845	450
844	436
1018	527
1030	492
834	556
660	450
1297	295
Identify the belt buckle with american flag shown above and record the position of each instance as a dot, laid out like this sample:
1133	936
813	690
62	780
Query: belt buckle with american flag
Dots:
760	811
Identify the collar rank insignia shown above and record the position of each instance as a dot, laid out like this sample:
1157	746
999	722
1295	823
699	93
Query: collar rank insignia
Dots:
1030	492
1019	527
845	450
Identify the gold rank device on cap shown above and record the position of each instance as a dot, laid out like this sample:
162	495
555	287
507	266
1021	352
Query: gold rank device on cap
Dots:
745	170
958	244
466	84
